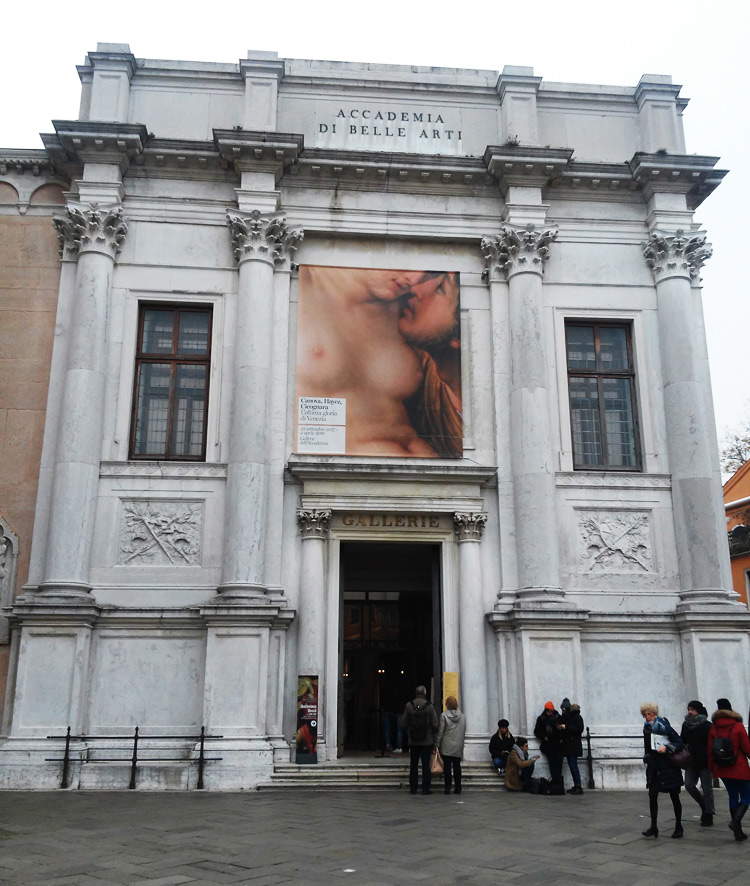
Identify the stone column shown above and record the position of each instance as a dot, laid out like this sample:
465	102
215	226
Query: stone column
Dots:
676	259
519	255
311	608
259	242
95	234
471	653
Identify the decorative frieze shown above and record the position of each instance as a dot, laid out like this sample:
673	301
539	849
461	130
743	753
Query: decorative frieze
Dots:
93	229
516	250
264	237
614	542
161	533
678	254
314	524
469	526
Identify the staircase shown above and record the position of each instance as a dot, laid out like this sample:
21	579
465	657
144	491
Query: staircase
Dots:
373	774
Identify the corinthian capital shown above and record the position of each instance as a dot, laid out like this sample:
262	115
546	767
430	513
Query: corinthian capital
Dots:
676	255
469	527
262	237
516	250
313	524
90	229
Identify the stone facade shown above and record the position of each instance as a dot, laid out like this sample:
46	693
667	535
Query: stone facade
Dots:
179	593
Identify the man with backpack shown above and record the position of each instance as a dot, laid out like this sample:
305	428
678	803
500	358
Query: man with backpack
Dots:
728	750
421	722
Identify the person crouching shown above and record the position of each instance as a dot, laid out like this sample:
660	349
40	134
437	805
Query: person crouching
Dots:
519	767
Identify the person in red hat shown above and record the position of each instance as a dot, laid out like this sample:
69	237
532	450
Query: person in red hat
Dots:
550	732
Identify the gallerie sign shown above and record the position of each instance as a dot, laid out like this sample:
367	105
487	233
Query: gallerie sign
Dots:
429	125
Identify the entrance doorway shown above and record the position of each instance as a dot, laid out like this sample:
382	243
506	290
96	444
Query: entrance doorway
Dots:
390	638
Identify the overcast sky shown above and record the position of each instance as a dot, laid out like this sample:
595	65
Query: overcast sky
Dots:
703	45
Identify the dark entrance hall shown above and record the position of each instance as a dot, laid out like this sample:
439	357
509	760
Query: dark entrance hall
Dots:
390	640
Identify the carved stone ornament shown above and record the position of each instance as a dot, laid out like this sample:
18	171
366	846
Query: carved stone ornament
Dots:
96	228
615	542
161	533
264	237
8	562
514	250
678	254
314	524
469	527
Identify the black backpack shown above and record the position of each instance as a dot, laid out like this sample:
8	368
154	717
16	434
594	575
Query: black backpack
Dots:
420	722
723	752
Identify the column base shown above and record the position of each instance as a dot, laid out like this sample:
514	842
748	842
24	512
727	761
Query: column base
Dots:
63	590
240	591
541	598
701	599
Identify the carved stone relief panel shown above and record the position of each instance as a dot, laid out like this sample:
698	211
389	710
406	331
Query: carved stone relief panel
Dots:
160	532
615	542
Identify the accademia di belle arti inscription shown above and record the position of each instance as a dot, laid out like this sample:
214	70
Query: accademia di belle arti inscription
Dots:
390	124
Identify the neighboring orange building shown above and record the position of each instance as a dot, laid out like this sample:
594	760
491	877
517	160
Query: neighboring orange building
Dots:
737	504
30	193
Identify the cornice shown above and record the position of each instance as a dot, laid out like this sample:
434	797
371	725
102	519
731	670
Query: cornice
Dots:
23	159
181	158
300	468
384	168
250	150
525	165
691	174
76	142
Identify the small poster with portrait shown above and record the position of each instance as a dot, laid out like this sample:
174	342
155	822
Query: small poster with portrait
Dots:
306	737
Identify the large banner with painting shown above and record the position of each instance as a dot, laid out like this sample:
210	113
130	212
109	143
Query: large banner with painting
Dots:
379	363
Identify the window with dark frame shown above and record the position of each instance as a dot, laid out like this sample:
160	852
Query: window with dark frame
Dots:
601	390
170	397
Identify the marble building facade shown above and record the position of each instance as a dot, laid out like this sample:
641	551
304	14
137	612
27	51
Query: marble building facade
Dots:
192	589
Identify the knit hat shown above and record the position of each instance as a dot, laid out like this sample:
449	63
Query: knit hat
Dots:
565	704
549	706
723	704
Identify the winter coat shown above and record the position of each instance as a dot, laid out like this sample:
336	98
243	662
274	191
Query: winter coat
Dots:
694	733
408	723
549	736
451	734
661	773
573	731
500	746
728	724
517	760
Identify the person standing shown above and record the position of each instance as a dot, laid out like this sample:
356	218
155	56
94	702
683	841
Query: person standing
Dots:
694	733
450	742
728	749
549	730
421	722
501	744
572	744
662	776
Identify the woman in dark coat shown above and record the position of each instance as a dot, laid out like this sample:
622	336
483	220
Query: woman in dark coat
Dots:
572	744
662	776
694	733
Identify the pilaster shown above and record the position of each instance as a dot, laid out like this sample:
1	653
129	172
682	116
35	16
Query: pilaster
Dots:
659	113
94	236
472	659
262	73
675	259
517	89
106	78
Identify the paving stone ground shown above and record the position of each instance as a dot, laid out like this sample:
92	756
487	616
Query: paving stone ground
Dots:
358	839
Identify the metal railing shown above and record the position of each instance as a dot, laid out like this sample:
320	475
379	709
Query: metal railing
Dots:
135	759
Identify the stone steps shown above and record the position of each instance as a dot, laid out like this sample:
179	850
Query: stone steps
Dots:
368	776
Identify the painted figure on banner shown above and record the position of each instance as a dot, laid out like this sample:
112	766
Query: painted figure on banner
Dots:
379	363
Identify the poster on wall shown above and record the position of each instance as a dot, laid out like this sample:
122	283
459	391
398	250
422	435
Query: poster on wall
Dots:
379	363
306	737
